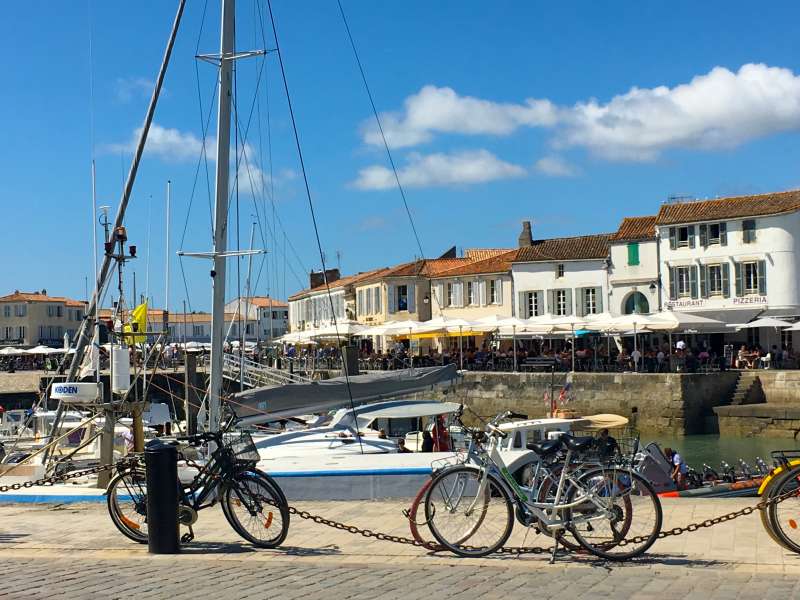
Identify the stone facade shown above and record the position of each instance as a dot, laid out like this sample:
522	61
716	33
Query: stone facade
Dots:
668	403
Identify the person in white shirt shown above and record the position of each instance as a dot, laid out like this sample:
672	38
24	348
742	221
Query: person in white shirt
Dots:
679	467
635	357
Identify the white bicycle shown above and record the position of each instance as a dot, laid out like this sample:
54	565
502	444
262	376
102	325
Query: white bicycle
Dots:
609	509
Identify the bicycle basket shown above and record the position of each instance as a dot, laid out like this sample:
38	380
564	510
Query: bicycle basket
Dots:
242	447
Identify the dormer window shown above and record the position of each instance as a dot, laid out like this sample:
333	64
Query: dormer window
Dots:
560	270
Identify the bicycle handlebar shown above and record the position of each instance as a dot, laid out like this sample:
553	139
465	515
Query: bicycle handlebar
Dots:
199	438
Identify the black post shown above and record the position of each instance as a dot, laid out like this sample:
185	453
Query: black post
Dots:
161	461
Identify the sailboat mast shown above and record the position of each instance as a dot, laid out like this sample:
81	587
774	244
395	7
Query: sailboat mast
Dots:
221	211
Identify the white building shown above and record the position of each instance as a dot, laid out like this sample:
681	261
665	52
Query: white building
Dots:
271	316
633	272
733	259
562	276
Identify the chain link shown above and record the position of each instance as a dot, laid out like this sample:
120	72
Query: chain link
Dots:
126	462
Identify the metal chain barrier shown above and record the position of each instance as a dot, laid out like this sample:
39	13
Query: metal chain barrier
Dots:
53	479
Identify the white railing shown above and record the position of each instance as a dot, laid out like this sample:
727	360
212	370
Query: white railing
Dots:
253	374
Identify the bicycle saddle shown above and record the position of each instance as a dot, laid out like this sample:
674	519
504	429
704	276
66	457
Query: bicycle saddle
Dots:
576	444
544	448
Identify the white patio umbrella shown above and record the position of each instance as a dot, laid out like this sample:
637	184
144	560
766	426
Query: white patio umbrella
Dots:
449	325
342	328
42	350
501	323
569	323
636	322
795	327
681	320
400	328
9	351
765	322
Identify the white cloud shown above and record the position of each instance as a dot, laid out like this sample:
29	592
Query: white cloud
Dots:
129	88
166	143
554	166
441	110
474	166
719	109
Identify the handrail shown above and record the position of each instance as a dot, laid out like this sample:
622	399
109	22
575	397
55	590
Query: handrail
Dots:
254	374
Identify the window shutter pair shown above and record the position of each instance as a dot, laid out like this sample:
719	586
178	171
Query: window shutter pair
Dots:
412	298
673	283
704	281
392	299
522	305
673	238
762	277
739	283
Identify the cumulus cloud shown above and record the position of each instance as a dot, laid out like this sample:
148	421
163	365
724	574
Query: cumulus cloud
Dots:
554	166
474	166
165	143
719	109
441	110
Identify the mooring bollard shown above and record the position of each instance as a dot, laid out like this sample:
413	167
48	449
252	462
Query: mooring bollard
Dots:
161	461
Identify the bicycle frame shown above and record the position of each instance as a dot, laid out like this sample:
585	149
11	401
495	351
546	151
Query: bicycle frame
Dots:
539	510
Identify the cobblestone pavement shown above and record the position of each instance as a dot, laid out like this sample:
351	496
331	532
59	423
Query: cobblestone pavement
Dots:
74	551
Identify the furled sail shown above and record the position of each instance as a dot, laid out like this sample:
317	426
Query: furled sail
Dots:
272	403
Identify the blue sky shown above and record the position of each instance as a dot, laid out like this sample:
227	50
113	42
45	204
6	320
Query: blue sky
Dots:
572	115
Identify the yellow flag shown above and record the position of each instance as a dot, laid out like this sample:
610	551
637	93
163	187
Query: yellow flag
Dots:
138	324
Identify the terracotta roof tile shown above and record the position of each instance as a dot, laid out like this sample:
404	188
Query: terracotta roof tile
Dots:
266	302
39	297
341	282
500	263
484	253
583	247
729	208
635	228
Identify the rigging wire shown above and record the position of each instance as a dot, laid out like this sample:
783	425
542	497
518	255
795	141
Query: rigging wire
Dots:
380	128
311	209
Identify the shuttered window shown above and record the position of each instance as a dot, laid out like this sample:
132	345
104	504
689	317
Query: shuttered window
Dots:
633	254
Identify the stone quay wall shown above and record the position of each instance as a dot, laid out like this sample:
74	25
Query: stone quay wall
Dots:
774	411
668	403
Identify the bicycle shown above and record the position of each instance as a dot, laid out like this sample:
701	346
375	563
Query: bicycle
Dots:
471	508
782	520
252	502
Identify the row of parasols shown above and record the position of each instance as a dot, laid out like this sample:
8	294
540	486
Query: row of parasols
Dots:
633	324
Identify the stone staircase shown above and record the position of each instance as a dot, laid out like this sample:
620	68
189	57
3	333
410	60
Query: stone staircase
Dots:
748	389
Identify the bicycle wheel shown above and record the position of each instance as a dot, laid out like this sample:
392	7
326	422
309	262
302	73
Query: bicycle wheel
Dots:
763	513
467	518
414	509
622	517
784	518
256	508
126	497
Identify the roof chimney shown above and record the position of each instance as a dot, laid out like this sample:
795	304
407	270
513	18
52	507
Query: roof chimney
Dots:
44	292
526	237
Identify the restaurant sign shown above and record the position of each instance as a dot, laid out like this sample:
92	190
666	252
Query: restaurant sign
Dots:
750	300
685	304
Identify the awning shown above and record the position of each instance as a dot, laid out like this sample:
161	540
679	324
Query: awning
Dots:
729	316
782	313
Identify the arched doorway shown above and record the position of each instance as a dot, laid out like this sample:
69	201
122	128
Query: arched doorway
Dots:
636	303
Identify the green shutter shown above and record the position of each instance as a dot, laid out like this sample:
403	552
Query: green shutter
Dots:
673	284
633	253
723	234
691	236
762	277
704	235
693	281
737	267
673	238
726	280
704	281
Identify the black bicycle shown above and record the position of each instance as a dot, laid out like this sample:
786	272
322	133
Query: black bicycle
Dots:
251	500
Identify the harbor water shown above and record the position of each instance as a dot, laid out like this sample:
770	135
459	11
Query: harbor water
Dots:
712	449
